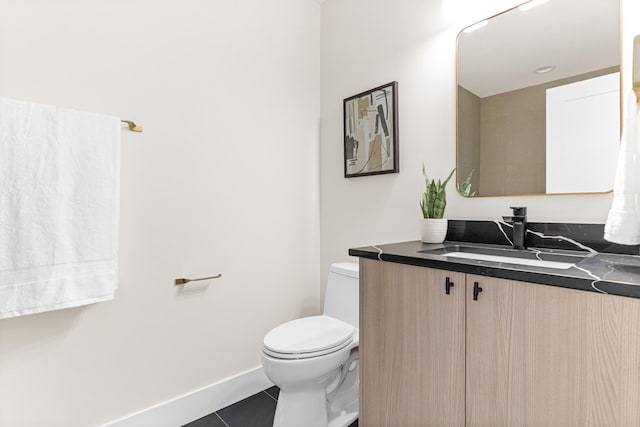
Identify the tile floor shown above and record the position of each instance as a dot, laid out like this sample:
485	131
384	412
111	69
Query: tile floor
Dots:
254	411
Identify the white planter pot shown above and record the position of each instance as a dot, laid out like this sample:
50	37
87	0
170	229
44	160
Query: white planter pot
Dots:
434	230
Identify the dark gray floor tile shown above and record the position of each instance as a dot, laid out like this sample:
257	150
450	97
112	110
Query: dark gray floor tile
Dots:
255	411
211	420
273	392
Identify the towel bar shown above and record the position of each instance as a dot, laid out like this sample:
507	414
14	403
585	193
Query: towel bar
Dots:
132	126
183	281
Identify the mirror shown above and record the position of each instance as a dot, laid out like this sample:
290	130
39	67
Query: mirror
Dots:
538	108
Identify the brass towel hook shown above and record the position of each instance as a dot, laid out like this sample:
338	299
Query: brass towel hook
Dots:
132	126
183	281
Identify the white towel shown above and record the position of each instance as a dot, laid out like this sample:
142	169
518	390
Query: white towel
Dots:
623	221
59	207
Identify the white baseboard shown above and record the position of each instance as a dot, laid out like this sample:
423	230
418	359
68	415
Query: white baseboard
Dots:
196	404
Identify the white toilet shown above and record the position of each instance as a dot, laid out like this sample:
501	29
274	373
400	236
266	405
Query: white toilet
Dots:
314	360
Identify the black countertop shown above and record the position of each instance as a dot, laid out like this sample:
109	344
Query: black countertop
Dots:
609	273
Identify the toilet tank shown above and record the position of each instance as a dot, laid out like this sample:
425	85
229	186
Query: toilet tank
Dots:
342	294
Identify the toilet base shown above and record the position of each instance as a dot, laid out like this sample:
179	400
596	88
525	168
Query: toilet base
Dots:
342	404
301	408
311	407
343	420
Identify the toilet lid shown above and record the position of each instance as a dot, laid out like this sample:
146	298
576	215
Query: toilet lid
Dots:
308	337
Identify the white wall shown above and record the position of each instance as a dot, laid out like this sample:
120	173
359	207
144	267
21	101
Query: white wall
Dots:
223	180
366	43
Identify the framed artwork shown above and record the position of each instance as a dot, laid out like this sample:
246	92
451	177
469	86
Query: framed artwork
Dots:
371	132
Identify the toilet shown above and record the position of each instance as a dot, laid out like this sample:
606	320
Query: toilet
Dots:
314	360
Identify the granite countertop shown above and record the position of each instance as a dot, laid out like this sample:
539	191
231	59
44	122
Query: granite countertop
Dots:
608	273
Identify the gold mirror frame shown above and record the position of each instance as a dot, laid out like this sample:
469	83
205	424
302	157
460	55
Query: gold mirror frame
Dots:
458	177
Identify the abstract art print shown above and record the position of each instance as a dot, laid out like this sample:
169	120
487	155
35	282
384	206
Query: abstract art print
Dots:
371	132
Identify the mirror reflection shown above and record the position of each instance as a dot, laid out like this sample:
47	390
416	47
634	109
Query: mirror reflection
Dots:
539	100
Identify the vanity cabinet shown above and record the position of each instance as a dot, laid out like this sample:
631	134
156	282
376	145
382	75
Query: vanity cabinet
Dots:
522	354
411	346
541	355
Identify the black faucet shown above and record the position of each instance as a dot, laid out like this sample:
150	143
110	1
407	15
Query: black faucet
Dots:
519	222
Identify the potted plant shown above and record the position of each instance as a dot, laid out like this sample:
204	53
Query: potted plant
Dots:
433	204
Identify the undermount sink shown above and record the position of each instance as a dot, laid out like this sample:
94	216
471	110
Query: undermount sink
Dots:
508	256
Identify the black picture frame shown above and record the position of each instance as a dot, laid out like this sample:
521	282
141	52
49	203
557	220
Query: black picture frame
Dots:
371	132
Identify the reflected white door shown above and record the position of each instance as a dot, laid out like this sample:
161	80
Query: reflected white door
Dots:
583	135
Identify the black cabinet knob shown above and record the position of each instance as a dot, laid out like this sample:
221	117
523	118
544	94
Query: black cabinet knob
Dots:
476	290
448	284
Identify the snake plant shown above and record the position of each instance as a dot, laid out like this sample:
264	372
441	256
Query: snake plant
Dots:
465	187
434	199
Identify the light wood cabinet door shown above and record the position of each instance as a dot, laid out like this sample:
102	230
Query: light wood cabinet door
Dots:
411	346
547	356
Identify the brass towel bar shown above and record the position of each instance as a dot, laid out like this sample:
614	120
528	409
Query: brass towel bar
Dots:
132	126
183	281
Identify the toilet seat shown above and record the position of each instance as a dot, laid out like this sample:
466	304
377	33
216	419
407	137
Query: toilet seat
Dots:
308	337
